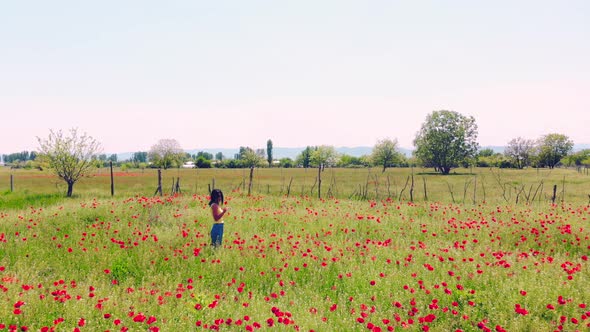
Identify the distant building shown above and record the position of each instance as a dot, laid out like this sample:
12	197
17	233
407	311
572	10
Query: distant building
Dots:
189	164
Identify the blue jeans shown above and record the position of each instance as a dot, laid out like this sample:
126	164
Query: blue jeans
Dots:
216	235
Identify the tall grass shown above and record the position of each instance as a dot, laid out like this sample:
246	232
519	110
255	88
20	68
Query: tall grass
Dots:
144	263
468	186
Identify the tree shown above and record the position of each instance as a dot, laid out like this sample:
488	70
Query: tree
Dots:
269	152
166	153
579	158
70	157
322	157
139	157
205	155
446	140
304	158
219	156
250	159
520	152
553	147
202	162
286	162
385	153
350	161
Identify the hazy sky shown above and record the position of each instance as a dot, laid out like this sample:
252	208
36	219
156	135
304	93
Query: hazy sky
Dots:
224	74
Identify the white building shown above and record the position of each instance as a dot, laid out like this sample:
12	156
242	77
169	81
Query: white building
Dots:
189	164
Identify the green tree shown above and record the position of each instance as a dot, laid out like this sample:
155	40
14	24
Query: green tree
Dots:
520	152
385	153
552	148
139	157
70	157
286	162
202	162
205	155
304	158
219	156
322	157
581	157
166	153
446	140
269	152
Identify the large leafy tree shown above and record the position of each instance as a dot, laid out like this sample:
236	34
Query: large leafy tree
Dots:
70	156
385	153
553	147
520	151
166	153
446	140
321	157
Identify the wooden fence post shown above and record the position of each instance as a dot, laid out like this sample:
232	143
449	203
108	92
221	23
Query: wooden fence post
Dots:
112	179
11	183
159	189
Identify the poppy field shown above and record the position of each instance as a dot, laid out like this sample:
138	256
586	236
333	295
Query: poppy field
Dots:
297	263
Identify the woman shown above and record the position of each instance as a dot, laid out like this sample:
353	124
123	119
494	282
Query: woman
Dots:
218	212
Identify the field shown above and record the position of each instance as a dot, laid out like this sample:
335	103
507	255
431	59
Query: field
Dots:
481	250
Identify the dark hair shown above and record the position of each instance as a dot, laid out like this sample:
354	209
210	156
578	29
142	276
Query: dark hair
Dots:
216	195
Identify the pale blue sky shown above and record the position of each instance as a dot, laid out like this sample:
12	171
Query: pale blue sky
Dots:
215	74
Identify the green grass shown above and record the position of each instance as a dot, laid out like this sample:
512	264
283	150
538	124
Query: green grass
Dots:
98	262
333	264
468	186
13	200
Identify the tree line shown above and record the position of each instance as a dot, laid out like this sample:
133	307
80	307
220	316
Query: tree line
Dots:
446	140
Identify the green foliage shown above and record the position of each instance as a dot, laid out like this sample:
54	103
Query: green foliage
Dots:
386	154
304	158
580	158
269	152
139	157
326	265
70	157
353	162
249	158
286	163
19	157
447	139
552	148
324	156
202	162
489	158
203	155
18	200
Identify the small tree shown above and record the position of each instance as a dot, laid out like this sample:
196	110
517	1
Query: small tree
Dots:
250	159
321	157
520	152
552	148
166	153
385	153
446	140
269	152
286	162
304	158
70	157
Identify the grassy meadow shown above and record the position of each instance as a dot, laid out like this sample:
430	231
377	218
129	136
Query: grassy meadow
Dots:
479	250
